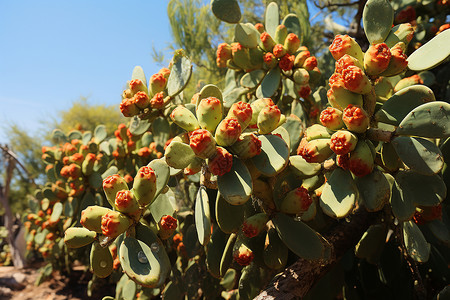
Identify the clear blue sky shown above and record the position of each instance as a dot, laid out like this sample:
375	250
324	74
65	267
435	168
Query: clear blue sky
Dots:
53	52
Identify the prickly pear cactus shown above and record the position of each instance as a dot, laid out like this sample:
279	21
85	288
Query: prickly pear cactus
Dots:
211	195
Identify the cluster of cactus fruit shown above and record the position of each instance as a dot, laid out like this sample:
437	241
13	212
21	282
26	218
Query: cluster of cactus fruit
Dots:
215	196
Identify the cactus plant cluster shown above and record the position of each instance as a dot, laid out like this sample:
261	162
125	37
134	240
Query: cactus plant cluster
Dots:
212	196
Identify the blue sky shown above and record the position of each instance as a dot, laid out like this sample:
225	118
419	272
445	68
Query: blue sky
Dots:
53	52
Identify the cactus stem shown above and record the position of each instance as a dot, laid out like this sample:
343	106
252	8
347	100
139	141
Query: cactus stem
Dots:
376	134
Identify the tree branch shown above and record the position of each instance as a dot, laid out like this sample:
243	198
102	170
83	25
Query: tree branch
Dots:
297	280
328	4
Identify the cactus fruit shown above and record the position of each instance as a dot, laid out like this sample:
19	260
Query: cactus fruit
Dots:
279	51
268	119
355	80
270	60
301	57
141	100
202	143
361	160
136	85
243	255
286	62
111	185
221	162
340	97
223	55
344	44
247	146
257	106
331	118
167	225
310	63
228	132
253	225
317	131
316	151
91	217
76	237
267	41
241	56
355	118
128	108
157	83
157	101
114	223
209	113
144	186
343	142
296	201
301	76
291	43
398	62
376	59
242	111
126	202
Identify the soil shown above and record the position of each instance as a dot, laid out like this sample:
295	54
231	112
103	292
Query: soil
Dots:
19	285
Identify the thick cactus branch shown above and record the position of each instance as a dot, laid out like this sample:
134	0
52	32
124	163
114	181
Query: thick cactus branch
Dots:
297	279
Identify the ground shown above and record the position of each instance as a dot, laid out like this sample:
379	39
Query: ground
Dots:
19	284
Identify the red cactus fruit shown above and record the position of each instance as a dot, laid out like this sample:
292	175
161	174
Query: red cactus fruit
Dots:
346	61
243	255
141	100
286	62
157	83
355	80
279	51
291	43
301	57
343	142
247	146
128	108
296	201
223	55
376	59
157	100
310	63
228	131
137	85
344	44
221	162
331	118
355	118
202	143
242	111
270	60
267	41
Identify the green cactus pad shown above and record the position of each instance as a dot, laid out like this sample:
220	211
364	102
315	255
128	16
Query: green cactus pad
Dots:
421	189
302	168
294	126
111	171
292	24
87	136
269	84
229	279
184	118
372	243
179	74
339	194
58	137
202	216
440	229
430	120
227	257
419	154
247	35
226	10
249	283
164	205
139	126
141	262
415	243
252	79
74	135
161	128
209	90
273	157
389	157
101	260
76	237
275	252
374	190
236	185
232	96
272	18
284	135
179	155
402	206
215	251
100	133
431	54
138	73
378	17
229	217
162	172
395	109
129	290
285	181
56	213
298	237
